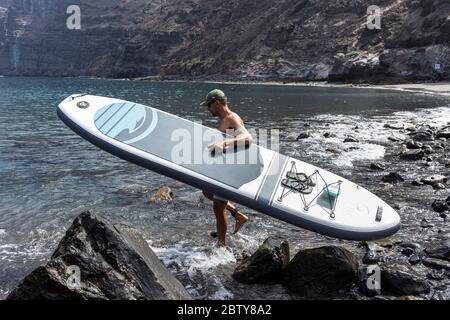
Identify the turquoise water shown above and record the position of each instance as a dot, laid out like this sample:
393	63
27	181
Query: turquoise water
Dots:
49	174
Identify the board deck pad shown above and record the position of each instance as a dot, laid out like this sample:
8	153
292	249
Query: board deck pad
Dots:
152	131
279	186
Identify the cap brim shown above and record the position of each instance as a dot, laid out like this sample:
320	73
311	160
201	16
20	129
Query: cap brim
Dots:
204	104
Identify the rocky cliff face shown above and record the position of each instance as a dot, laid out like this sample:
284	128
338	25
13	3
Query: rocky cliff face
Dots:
252	39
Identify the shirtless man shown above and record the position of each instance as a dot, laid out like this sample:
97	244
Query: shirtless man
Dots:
216	101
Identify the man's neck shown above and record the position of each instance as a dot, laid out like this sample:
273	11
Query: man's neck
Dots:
224	113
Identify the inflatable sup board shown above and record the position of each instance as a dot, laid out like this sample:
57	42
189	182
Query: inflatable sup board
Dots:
264	180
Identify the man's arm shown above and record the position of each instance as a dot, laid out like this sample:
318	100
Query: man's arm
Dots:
242	136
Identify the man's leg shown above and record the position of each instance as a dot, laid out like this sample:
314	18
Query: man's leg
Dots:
220	209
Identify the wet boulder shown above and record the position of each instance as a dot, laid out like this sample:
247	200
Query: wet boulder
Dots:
395	126
303	135
412	144
422	136
439	206
437	264
377	166
97	260
412	155
434	179
444	133
392	177
266	264
439	250
162	194
322	271
351	139
401	280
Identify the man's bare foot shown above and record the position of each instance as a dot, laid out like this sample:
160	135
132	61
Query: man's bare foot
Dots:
241	219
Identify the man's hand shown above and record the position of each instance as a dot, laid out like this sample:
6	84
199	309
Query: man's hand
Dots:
217	147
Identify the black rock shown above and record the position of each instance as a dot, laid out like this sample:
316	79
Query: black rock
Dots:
415	259
447	201
266	264
443	215
426	135
401	280
392	177
436	264
394	139
328	135
321	272
427	149
412	155
372	257
377	166
439	206
367	284
425	224
417	183
407	251
439	250
439	186
351	139
411	245
114	262
444	133
303	135
434	179
412	144
436	275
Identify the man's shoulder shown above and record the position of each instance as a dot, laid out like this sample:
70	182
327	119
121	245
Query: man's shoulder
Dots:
234	117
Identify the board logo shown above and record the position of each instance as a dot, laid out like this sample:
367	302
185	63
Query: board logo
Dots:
83	104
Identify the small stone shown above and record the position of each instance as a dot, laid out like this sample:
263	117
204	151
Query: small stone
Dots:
434	179
429	159
427	149
412	155
425	224
439	250
394	139
377	166
414	259
351	139
412	144
407	251
439	186
443	215
417	183
327	135
306	125
447	201
392	177
443	134
333	150
436	275
412	245
436	264
303	135
162	194
439	206
411	128
372	258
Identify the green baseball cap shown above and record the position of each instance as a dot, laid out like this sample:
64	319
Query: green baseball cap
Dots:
214	95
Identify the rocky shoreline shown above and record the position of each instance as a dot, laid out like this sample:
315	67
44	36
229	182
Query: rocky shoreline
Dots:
413	177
